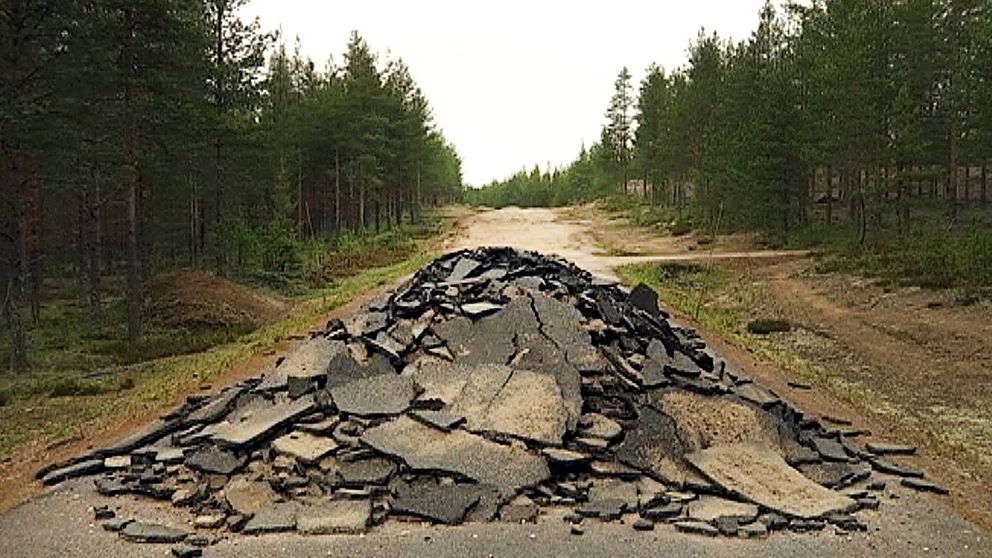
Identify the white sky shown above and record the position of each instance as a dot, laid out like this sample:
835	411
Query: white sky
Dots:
512	83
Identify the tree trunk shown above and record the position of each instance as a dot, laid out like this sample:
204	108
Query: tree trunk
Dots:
219	171
377	211
830	195
952	176
94	248
133	289
134	293
415	211
195	225
352	217
904	194
985	184
34	248
337	192
17	284
299	197
862	214
361	205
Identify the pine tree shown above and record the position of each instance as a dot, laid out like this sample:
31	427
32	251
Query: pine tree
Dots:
236	54
618	133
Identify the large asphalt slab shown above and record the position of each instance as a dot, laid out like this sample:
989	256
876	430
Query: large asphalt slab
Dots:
60	524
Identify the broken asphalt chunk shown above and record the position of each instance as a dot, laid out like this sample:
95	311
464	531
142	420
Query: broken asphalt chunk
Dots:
151	533
262	422
334	516
883	448
924	486
761	476
443	503
304	446
644	298
212	459
385	394
425	448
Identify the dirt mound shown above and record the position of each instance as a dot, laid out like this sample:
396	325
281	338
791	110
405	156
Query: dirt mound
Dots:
199	301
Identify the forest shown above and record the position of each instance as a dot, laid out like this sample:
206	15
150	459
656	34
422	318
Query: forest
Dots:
861	120
139	137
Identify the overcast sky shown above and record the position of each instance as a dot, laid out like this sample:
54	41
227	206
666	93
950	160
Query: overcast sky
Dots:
512	83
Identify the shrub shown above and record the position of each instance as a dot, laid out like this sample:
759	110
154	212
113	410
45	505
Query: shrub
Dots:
764	326
682	228
82	387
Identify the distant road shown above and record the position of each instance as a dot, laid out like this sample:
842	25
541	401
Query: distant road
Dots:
548	231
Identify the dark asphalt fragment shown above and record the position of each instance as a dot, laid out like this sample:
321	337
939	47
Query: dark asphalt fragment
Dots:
924	486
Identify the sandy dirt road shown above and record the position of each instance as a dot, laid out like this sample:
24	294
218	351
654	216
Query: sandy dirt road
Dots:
558	232
59	522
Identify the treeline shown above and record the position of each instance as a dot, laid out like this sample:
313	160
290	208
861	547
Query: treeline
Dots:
143	136
591	176
870	113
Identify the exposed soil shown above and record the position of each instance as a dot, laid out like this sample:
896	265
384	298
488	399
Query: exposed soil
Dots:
912	359
196	301
897	367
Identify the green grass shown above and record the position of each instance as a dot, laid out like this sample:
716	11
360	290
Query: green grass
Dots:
641	213
930	254
722	301
688	287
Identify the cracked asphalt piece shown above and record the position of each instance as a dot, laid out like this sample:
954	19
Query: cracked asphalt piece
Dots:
308	361
443	503
762	476
422	447
495	398
334	516
385	394
494	384
262	422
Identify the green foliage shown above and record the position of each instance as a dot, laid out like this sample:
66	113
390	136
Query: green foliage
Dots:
592	176
765	326
684	287
234	163
640	213
930	256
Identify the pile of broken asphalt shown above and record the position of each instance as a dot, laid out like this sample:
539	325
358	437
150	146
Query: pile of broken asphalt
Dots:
492	384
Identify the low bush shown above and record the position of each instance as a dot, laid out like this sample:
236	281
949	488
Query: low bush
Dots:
765	326
76	387
682	228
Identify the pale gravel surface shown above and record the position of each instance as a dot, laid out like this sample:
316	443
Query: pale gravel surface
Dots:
59	524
